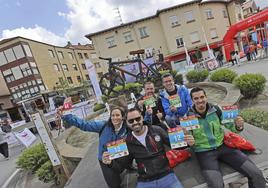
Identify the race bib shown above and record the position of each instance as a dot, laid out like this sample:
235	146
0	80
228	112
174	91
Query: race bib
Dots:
174	100
229	113
149	101
67	106
190	122
176	138
117	149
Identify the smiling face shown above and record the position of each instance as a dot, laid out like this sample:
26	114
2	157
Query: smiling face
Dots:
168	83
135	122
149	89
116	118
199	99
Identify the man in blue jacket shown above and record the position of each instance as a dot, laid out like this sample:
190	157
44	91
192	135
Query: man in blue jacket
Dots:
175	100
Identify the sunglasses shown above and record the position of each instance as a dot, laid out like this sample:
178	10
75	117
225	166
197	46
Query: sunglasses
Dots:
137	119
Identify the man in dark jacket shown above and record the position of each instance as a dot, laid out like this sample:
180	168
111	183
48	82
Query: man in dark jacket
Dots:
150	106
210	148
146	145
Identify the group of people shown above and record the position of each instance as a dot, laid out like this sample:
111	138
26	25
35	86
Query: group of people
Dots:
144	129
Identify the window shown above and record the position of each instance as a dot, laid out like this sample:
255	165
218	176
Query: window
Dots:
225	15
70	54
75	67
97	65
69	79
209	14
127	37
60	54
10	55
17	72
3	59
27	50
86	56
65	67
78	79
189	16
56	67
87	77
18	52
174	21
143	32
213	33
110	42
80	56
34	67
194	37
51	53
25	69
8	75
42	87
83	66
179	42
93	55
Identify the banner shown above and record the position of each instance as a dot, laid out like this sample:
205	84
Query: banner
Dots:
26	137
94	80
134	69
10	138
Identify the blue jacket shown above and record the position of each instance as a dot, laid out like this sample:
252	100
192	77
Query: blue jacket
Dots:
186	101
104	128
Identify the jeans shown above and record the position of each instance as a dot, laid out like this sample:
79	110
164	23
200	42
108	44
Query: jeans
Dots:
168	181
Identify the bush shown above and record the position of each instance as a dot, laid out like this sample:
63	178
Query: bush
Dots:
33	158
46	173
223	75
178	79
196	76
250	85
255	117
98	107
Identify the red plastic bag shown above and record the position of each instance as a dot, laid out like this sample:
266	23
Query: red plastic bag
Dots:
235	141
177	156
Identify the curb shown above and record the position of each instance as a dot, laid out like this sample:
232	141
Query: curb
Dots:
7	182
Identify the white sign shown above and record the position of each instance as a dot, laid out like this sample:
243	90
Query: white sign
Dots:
10	138
93	78
46	139
26	137
17	124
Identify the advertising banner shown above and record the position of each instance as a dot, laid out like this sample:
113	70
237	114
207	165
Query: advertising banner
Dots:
26	137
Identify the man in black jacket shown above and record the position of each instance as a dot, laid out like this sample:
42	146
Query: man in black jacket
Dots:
146	145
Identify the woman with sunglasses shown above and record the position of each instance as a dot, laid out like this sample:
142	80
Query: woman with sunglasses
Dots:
113	129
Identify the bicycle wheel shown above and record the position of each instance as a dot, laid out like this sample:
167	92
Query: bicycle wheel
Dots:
112	85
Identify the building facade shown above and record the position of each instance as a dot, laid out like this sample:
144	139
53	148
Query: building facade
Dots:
167	31
29	68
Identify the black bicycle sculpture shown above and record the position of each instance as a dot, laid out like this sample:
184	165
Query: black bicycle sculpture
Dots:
116	73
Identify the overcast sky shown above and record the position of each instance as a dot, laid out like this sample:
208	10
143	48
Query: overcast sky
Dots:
59	21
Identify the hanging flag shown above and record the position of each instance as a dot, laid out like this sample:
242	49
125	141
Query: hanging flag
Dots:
188	59
93	78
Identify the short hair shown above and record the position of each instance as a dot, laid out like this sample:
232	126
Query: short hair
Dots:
134	109
147	83
166	75
197	89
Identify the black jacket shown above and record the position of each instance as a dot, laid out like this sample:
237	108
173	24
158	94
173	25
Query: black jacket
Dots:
151	160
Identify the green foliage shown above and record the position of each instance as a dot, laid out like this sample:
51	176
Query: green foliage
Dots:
129	88
32	158
255	117
46	173
196	76
178	79
223	75
250	85
98	107
104	98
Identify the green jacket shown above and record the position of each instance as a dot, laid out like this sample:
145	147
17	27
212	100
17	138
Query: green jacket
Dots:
211	133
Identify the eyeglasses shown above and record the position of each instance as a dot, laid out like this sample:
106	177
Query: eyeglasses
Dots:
137	119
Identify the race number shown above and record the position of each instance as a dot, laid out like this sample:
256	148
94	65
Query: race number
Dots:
229	113
149	101
176	138
174	100
189	122
117	149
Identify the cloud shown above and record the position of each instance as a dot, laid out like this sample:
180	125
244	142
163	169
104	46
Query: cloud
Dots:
37	33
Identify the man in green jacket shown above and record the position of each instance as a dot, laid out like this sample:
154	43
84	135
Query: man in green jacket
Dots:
209	146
